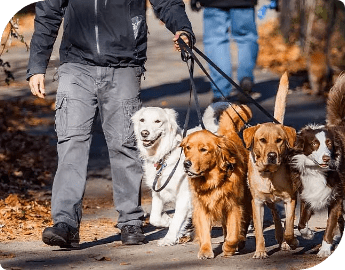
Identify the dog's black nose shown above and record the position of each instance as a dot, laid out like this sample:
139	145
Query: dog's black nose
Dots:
326	158
187	164
145	133
272	157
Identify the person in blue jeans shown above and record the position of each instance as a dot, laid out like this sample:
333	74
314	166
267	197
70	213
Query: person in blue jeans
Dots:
222	18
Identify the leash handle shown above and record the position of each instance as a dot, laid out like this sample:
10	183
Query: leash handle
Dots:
185	56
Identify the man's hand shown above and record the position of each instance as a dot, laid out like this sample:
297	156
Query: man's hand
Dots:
185	38
36	83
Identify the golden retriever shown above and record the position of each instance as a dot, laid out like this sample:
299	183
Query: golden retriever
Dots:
217	168
269	174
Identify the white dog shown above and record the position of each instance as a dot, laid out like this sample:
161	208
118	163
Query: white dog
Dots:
158	137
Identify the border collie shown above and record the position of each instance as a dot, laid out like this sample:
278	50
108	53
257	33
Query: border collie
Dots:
319	168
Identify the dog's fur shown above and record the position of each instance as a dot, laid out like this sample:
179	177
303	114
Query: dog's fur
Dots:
318	160
269	174
217	168
158	138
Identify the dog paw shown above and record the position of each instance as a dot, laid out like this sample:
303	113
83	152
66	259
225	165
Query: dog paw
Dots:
292	245
260	255
203	255
167	242
285	246
325	250
324	253
228	254
307	233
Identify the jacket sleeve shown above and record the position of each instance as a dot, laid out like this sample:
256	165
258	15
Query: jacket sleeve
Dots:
173	14
49	14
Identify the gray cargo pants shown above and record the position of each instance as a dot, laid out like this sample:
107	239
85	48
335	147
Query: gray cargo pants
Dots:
115	92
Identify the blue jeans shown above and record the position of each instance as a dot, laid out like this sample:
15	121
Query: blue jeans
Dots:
114	92
241	24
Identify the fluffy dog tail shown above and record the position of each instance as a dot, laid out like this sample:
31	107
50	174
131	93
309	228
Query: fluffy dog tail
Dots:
280	102
336	103
234	118
212	114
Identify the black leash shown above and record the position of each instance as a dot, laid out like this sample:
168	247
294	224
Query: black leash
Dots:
213	82
193	91
159	173
185	47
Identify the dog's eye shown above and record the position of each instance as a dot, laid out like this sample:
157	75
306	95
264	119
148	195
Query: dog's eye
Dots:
329	143
263	140
315	143
142	120
187	147
279	140
203	149
157	121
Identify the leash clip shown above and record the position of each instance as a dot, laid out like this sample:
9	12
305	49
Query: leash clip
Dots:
161	168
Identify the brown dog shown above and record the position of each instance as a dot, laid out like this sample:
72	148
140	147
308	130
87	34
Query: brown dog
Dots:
269	174
217	169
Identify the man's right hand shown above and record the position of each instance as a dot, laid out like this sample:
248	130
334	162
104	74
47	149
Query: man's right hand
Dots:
36	83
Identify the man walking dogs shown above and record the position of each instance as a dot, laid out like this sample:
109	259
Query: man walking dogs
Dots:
102	57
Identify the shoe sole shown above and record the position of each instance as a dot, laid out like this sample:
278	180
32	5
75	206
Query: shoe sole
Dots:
132	243
137	241
55	240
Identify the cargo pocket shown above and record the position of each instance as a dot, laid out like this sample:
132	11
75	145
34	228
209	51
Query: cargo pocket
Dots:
61	114
130	106
139	72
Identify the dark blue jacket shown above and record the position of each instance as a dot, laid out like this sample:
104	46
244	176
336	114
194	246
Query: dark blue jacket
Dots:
99	32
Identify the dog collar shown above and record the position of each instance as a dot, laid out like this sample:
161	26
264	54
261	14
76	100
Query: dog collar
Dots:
161	162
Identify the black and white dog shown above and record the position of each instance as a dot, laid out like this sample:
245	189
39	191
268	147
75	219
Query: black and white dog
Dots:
319	172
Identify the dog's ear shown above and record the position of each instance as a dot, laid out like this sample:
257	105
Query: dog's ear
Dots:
172	116
184	142
291	135
135	116
248	135
299	143
224	158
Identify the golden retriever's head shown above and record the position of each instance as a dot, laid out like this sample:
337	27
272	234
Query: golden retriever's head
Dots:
206	152
269	142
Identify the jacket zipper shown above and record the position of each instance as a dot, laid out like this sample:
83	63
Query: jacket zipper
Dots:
96	28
